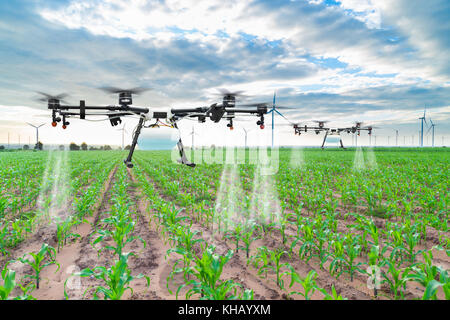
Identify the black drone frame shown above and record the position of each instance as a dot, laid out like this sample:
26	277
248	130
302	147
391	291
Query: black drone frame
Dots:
214	112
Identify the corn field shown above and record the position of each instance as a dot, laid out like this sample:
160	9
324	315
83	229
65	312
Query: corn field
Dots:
327	225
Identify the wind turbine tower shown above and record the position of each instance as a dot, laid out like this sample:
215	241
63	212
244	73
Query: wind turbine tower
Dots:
123	134
422	120
37	131
432	132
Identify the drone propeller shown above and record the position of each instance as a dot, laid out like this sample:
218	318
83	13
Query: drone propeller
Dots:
226	92
369	127
292	124
320	121
136	90
46	97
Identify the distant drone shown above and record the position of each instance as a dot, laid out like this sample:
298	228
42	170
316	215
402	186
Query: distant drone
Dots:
331	131
215	112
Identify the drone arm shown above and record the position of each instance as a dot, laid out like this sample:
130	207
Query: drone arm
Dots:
262	110
186	111
106	108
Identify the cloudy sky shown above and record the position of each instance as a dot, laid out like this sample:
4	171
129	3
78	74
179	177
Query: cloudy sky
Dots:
378	61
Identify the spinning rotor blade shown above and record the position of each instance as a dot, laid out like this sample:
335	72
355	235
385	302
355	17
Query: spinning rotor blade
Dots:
46	97
226	92
136	90
284	107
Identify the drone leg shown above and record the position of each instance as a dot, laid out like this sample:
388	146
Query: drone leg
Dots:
183	159
342	144
127	161
324	139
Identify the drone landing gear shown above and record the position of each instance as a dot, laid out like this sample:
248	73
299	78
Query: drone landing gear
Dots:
183	159
324	139
127	161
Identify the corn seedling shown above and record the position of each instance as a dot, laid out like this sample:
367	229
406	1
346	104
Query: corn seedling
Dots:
116	279
38	261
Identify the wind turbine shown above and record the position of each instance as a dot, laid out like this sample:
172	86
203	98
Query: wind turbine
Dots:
246	132
432	132
37	132
123	134
192	134
422	120
273	110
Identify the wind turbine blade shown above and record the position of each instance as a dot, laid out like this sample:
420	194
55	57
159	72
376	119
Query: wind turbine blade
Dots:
273	104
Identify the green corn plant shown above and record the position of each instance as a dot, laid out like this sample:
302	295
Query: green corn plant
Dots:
116	279
374	233
9	282
412	239
185	260
121	234
235	234
308	243
271	260
185	238
226	290
3	240
38	261
8	278
374	262
247	237
333	296
395	278
297	215
398	249
352	250
425	273
321	238
282	226
433	286
307	240
308	284
338	256
63	231
260	260
172	216
207	270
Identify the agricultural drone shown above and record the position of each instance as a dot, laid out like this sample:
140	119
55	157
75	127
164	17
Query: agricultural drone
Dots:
227	110
298	129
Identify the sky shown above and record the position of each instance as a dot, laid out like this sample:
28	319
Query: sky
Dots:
377	61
